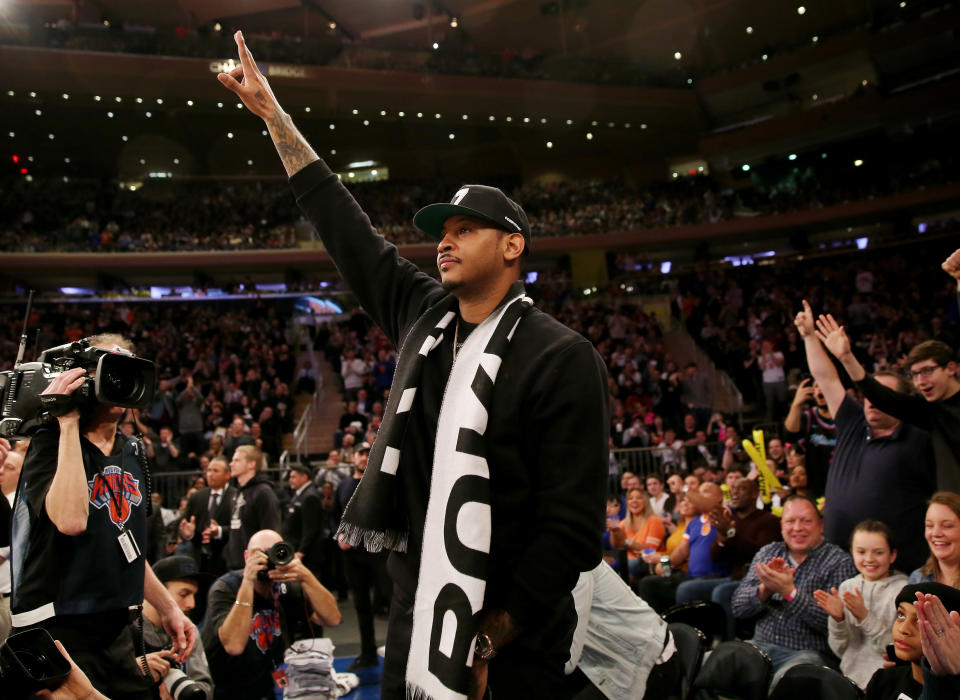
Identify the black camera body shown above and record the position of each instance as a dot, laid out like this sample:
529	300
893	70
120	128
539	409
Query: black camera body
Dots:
278	554
120	379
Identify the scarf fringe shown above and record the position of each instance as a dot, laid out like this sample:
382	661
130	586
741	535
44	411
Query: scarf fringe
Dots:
415	692
372	540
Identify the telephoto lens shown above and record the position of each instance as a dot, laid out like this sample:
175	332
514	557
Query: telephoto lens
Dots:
182	687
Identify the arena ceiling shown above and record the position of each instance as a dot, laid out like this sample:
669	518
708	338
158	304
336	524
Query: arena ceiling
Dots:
708	35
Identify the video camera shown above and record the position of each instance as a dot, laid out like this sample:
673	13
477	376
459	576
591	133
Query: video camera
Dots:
29	662
120	379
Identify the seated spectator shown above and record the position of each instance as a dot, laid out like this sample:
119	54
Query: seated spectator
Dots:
942	532
730	478
353	415
640	530
661	592
906	681
248	615
675	486
863	610
236	436
671	452
165	451
661	502
777	589
796	483
741	532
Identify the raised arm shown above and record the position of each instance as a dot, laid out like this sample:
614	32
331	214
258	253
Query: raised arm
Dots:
822	369
254	91
912	409
67	498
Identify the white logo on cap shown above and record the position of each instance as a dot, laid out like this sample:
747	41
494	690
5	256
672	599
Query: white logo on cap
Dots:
460	195
513	222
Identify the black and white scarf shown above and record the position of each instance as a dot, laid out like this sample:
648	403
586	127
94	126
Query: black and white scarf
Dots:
456	535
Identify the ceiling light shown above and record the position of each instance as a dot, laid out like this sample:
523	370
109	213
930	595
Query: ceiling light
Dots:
350	175
816	97
676	175
239	105
217	27
801	10
306	109
361	164
176	161
51	137
39	112
749	30
332	127
903	5
863	82
689	81
13	134
451	136
333	151
815	39
549	144
401	114
118	99
643	126
249	162
436	46
611	124
763	57
465	117
526	120
792	156
419	115
509	119
383	112
263	133
437	115
332	25
124	138
491	117
678	55
543	120
109	115
453	23
374	172
143	162
569	122
626	125
366	122
857	163
139	100
745	168
96	98
220	105
10	93
159	100
229	134
589	136
33	94
66	96
189	103
356	111
149	114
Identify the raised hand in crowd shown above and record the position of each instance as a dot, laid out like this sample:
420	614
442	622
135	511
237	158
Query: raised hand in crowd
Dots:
833	336
804	321
188	528
939	631
952	266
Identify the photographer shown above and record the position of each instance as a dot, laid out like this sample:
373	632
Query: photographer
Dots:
248	616
78	528
181	577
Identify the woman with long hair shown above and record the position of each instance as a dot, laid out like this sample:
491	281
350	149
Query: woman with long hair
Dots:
942	531
641	529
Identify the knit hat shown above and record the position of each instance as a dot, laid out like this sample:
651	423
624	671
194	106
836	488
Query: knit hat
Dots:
948	595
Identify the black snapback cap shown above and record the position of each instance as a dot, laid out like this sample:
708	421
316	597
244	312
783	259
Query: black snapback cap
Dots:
482	201
178	567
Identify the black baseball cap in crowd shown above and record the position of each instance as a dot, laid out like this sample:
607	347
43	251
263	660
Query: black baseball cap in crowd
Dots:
482	201
177	568
304	469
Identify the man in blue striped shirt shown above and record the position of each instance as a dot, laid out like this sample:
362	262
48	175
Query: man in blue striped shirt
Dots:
778	589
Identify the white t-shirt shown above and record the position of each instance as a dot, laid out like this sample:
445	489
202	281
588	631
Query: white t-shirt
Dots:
772	371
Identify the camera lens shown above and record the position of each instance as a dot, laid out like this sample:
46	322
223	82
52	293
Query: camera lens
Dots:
119	387
280	554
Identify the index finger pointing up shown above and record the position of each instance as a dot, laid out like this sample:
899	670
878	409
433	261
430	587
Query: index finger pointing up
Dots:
246	58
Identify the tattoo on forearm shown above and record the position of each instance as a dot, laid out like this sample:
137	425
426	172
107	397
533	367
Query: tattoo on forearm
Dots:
260	98
294	150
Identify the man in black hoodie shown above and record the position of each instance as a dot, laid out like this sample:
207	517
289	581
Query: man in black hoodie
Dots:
255	507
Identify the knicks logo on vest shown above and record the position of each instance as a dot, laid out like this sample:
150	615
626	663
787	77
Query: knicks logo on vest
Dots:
125	492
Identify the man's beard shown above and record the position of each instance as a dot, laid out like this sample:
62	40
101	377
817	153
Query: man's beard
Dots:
451	286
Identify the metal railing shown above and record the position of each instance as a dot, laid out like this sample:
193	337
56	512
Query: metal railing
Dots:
645	460
302	428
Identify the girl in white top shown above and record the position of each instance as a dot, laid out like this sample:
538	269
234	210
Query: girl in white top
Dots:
861	614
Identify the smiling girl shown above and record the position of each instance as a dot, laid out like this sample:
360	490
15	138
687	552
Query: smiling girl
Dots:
942	531
862	611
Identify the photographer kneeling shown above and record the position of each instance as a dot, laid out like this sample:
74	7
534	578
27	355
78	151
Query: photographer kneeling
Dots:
249	616
79	524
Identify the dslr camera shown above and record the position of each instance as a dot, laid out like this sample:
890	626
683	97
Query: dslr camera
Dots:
120	378
278	554
179	685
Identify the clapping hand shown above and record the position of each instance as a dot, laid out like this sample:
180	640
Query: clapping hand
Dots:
853	600
939	632
830	603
